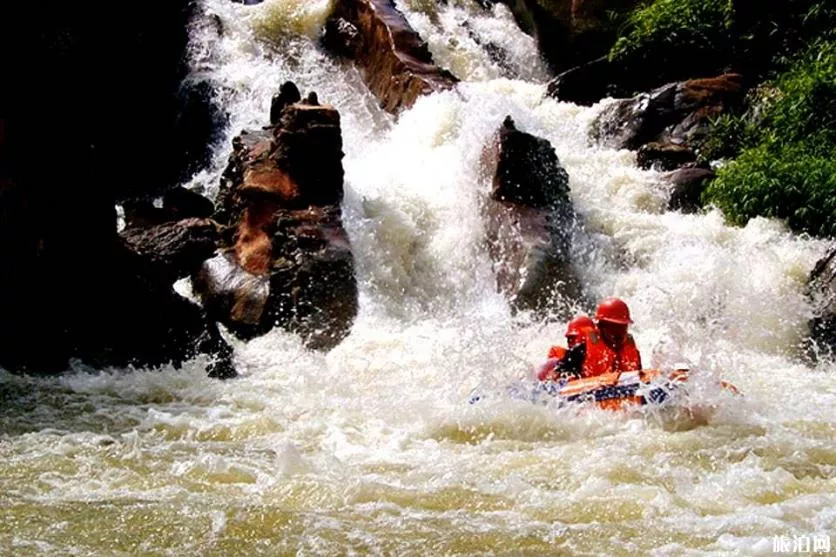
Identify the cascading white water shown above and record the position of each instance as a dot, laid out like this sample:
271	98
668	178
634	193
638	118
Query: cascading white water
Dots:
373	447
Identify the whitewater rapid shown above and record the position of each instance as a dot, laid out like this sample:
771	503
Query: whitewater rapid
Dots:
373	448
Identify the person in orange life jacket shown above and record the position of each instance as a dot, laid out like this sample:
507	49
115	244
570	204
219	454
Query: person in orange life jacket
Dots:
558	362
611	348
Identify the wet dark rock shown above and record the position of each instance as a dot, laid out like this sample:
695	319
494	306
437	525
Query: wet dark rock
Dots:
821	289
688	186
175	249
395	62
585	84
529	221
184	203
176	204
111	306
199	125
571	33
675	113
341	37
287	260
664	156
528	171
227	289
288	94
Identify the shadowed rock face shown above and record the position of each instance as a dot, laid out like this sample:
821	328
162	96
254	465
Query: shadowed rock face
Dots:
529	221
821	288
585	84
396	64
177	204
570	32
286	259
664	156
675	113
176	249
668	126
94	113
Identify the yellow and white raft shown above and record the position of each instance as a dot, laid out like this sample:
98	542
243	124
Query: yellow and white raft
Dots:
610	391
615	391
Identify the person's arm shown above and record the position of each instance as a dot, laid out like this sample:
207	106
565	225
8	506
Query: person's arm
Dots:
547	371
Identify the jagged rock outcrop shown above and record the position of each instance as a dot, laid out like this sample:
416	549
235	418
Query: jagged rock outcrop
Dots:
529	220
175	249
75	139
676	113
821	288
395	62
286	259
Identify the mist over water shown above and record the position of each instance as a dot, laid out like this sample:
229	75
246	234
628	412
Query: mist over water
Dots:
373	447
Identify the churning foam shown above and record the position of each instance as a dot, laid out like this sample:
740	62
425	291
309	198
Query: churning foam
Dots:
373	448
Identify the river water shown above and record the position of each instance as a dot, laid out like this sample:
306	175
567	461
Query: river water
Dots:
373	447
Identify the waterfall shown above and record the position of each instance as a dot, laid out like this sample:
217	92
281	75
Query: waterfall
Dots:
373	447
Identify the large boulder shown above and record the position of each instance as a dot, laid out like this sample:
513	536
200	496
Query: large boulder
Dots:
676	113
395	62
286	258
529	221
821	289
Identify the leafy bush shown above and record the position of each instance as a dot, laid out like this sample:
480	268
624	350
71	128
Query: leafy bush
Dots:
665	40
787	140
675	34
788	182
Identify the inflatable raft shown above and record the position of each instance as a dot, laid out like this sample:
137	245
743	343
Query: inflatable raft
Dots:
611	391
614	391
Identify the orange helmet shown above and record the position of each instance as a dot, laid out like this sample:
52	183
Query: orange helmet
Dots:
613	310
578	326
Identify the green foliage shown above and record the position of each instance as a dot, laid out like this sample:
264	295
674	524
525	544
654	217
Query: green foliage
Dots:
673	23
790	182
665	40
674	33
728	135
787	143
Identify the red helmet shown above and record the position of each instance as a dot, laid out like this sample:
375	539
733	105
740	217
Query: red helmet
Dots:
614	311
578	326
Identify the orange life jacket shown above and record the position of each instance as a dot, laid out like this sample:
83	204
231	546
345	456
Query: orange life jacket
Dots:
601	358
556	352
